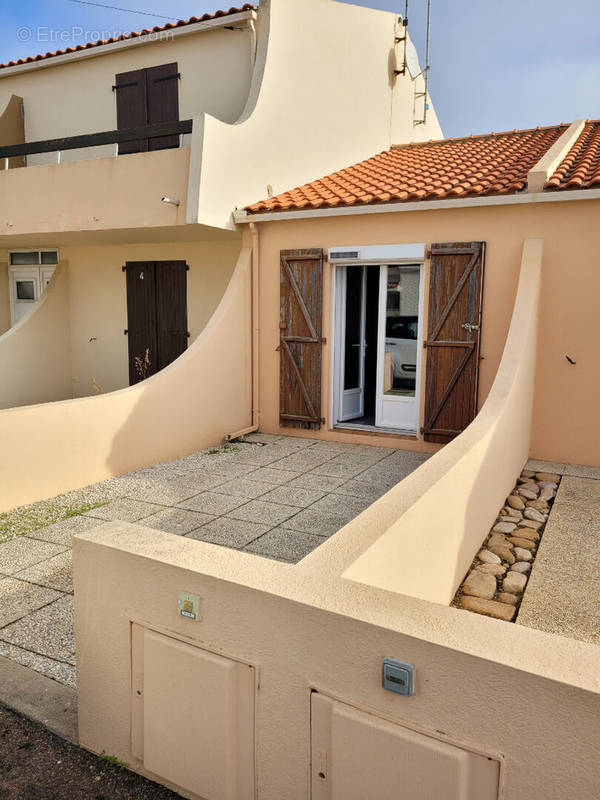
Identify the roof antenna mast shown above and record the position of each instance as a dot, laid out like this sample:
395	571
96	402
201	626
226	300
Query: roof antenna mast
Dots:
425	71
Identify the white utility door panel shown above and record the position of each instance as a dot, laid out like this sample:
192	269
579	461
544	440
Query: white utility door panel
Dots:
193	717
358	756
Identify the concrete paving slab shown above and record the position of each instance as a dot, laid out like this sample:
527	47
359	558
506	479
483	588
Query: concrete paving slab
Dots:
245	487
545	466
39	698
264	513
285	545
323	483
177	520
50	667
24	552
361	490
55	573
563	592
18	598
162	493
124	509
326	516
274	476
580	471
62	532
212	503
343	470
293	496
229	532
47	632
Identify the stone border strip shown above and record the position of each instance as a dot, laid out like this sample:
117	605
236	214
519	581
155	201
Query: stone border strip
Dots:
495	584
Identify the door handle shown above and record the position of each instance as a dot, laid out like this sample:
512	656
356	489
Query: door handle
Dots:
468	326
360	345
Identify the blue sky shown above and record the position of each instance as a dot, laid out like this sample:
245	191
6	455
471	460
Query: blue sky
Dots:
494	66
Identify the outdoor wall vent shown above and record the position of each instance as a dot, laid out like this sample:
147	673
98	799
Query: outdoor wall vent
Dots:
337	255
378	254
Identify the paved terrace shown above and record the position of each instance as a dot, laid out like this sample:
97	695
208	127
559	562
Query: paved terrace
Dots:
276	496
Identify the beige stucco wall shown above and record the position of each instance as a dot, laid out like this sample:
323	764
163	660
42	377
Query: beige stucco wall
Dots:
192	403
98	194
470	478
35	354
565	395
309	89
4	298
73	96
98	302
12	128
530	698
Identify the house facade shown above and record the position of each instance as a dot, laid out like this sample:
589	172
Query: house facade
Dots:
141	227
387	291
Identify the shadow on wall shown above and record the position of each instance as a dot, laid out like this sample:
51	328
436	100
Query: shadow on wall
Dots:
420	537
190	405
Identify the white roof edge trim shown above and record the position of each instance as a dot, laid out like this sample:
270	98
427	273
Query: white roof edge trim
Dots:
242	217
378	254
154	37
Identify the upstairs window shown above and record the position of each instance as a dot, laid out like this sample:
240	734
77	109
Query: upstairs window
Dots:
146	97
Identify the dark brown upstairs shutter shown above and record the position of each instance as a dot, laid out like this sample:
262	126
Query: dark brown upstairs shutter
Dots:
454	332
162	87
141	320
301	293
130	88
171	310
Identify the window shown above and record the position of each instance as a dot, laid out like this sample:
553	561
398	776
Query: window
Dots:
25	290
31	257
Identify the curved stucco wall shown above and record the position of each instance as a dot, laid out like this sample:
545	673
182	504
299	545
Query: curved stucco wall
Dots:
321	65
427	551
191	404
35	357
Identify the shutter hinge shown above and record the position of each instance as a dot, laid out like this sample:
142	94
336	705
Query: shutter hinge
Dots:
282	326
124	85
422	431
124	269
427	253
187	334
324	340
125	332
322	420
167	78
187	267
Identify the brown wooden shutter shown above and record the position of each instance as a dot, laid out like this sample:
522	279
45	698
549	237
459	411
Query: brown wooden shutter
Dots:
171	310
130	88
300	349
162	89
141	317
454	332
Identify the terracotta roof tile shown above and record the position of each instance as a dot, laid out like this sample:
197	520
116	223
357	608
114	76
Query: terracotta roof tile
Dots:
133	35
580	169
475	166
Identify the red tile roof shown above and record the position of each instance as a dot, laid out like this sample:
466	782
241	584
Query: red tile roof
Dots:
580	169
475	166
133	35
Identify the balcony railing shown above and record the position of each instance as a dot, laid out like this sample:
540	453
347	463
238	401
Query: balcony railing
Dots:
157	131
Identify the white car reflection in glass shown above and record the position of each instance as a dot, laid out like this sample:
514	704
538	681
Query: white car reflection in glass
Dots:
401	344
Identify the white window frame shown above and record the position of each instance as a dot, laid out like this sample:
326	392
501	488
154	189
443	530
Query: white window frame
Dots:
39	273
382	255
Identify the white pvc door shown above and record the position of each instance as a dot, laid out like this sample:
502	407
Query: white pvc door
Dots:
399	345
353	340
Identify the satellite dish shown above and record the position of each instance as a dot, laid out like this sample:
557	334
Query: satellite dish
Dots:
412	59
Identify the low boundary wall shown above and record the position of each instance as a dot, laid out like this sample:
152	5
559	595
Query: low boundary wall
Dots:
56	447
